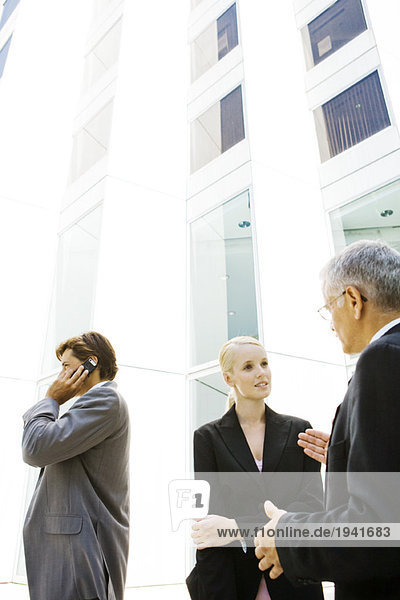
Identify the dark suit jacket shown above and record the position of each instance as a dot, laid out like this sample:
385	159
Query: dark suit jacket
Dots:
227	573
76	528
365	438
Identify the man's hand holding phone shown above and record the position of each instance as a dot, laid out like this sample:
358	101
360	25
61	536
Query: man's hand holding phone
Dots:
67	384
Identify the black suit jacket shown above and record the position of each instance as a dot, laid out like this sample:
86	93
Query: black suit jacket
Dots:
365	439
228	573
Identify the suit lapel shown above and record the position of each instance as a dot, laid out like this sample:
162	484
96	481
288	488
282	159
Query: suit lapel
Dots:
276	435
235	440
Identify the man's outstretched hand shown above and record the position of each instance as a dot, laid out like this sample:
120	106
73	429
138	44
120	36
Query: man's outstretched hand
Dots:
265	546
67	384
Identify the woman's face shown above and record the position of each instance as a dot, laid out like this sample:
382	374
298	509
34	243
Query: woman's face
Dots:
251	375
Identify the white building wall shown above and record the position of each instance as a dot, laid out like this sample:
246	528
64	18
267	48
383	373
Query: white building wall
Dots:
141	293
373	162
38	96
292	241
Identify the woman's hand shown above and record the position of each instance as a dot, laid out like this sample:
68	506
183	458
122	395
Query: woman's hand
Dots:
315	444
205	532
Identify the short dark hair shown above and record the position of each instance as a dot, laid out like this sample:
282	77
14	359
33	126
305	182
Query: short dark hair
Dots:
92	344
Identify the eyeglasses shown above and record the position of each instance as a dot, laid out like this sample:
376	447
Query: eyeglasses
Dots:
325	310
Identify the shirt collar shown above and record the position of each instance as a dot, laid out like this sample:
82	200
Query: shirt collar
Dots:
384	329
98	384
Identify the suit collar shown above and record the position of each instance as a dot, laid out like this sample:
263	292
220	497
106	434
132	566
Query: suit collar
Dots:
393	326
277	429
393	329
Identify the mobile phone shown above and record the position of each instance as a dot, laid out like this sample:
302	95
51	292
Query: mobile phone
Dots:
89	365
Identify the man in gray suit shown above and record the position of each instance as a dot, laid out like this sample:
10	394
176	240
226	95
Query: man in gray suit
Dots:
77	525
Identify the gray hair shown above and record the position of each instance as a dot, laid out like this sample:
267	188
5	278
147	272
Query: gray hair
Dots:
373	267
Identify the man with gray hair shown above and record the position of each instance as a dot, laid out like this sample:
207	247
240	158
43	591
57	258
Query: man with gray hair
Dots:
361	287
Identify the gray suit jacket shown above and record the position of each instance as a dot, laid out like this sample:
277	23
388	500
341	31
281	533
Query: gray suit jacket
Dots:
76	528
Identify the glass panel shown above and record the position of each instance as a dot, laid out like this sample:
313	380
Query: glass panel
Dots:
217	130
223	296
205	137
74	290
4	54
214	42
227	31
90	144
103	56
352	116
204	51
196	3
335	27
375	216
232	123
208	400
8	8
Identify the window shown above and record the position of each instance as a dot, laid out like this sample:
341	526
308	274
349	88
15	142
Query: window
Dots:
227	31
217	129
351	117
4	54
73	295
90	144
214	42
103	56
8	8
375	216
335	27
208	400
223	296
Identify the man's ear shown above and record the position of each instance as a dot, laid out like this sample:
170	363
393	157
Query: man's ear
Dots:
354	297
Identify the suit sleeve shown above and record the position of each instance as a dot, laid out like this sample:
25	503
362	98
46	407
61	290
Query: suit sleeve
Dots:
309	497
374	449
48	439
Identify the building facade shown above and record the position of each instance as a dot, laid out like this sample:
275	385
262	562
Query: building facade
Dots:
175	179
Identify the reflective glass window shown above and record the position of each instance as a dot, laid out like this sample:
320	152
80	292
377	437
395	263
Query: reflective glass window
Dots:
90	144
223	293
227	31
8	8
217	129
74	288
375	216
354	115
208	400
217	40
102	56
232	123
335	27
3	55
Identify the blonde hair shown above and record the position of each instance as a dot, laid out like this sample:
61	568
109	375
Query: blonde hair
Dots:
227	358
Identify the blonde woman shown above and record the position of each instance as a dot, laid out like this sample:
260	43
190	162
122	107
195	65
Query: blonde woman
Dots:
249	437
